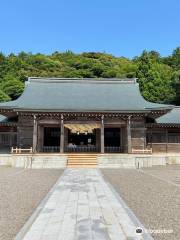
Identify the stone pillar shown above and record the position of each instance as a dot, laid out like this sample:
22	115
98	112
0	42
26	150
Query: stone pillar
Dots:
35	130
102	134
62	135
129	144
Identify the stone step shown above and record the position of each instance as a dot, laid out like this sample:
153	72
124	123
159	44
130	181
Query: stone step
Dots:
82	166
82	160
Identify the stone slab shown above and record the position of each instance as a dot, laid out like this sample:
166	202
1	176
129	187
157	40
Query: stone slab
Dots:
82	206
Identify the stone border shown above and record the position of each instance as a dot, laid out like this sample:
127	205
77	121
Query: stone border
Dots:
132	216
21	234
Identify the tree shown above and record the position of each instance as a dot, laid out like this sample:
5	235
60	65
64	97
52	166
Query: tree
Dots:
12	87
4	97
176	86
155	79
173	60
157	75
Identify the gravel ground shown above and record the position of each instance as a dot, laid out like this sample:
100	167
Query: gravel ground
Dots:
169	173
20	193
156	203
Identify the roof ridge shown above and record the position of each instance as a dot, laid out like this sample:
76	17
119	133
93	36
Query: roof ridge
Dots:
84	80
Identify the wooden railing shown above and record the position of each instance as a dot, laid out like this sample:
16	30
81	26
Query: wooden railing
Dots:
82	149
142	151
21	150
51	149
113	149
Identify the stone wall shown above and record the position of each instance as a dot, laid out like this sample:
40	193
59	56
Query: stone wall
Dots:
34	161
133	161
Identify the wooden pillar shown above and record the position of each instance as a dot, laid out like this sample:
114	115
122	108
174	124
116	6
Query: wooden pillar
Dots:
145	136
129	143
98	136
18	137
11	138
151	139
166	140
35	128
102	134
62	135
40	139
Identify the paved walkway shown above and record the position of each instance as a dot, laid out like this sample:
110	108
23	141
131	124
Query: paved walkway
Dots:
82	207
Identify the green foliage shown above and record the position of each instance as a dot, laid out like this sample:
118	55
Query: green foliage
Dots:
174	59
176	86
155	78
158	77
4	97
12	87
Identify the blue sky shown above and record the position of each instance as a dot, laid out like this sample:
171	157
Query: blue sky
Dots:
122	28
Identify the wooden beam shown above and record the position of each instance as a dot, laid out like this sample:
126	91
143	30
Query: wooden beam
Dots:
62	135
49	121
81	122
102	134
40	138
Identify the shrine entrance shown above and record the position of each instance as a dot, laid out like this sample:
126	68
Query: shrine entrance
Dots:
82	138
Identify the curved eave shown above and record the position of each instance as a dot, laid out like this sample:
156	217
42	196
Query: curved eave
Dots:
16	109
151	112
73	110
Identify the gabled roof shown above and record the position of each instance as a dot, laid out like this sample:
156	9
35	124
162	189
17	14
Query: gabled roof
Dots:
75	95
172	117
5	121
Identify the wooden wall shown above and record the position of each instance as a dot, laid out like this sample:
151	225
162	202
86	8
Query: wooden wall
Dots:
8	136
25	132
163	140
160	139
138	134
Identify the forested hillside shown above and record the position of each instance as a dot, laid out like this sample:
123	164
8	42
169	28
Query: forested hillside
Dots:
159	77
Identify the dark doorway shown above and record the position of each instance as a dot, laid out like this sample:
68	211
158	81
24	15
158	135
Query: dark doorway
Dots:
82	139
81	142
112	139
51	139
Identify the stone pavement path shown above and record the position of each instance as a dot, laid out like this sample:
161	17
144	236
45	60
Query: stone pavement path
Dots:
82	207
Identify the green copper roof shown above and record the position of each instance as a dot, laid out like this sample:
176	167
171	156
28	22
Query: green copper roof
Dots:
3	119
54	94
172	117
